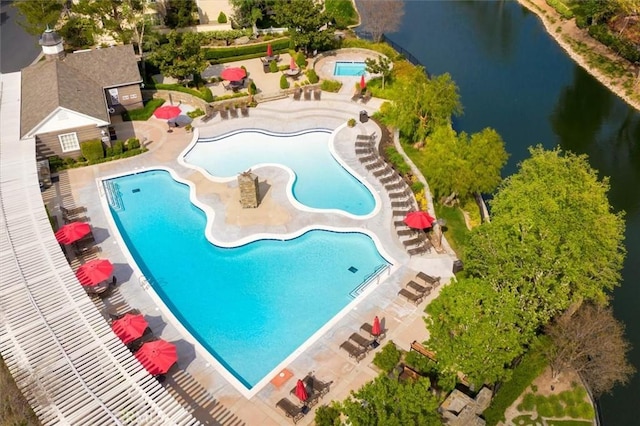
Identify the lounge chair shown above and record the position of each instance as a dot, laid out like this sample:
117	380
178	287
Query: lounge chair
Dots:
361	341
383	172
406	232
86	251
370	137
418	288
363	144
395	186
356	96
244	110
69	219
416	251
296	94
435	281
400	213
412	297
394	178
368	159
224	113
354	351
319	387
290	409
73	211
412	242
317	94
368	328
307	94
312	396
366	97
375	165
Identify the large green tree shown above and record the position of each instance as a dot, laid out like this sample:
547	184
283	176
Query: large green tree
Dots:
464	165
421	104
181	13
38	14
247	12
307	23
476	330
389	402
181	57
553	239
121	19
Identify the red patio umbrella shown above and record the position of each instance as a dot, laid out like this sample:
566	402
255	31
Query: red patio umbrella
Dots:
301	391
375	328
292	64
418	220
72	232
363	84
129	327
157	356
233	74
269	50
166	112
94	272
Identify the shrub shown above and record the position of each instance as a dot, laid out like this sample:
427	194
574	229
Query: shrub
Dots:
331	86
273	66
92	150
301	60
118	147
220	54
312	76
109	152
388	357
143	114
351	122
69	161
528	402
395	158
222	18
417	186
133	143
195	113
55	163
206	94
420	363
284	83
327	416
252	88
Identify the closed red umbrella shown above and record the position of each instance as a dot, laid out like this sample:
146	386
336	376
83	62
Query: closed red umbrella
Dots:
363	84
166	112
301	391
233	74
157	357
94	272
129	327
269	50
419	220
375	328
292	64
72	232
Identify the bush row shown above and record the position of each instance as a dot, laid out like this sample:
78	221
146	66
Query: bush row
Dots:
217	54
624	48
561	8
208	37
203	93
143	114
95	152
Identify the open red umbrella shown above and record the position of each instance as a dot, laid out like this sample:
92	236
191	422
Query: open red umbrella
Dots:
157	356
72	232
301	391
94	272
363	84
375	328
129	327
167	112
233	74
292	64
269	50
418	220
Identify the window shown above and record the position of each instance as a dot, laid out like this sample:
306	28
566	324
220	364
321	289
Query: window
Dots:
69	142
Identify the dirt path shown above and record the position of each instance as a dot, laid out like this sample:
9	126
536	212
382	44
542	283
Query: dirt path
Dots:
568	29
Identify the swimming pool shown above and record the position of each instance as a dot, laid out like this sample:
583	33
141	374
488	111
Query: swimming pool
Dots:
320	181
349	69
260	301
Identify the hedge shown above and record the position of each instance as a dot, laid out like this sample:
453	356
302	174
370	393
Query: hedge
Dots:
624	48
92	150
204	93
560	7
143	114
216	54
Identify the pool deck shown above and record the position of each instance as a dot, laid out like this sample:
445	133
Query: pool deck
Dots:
402	319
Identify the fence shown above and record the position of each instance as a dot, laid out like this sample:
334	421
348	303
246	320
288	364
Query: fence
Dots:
403	52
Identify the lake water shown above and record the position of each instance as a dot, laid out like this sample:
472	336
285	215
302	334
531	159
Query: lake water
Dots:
515	78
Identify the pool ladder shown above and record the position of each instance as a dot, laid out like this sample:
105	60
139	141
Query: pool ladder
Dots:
113	196
374	276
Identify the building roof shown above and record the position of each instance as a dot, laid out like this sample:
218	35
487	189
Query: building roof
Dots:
76	82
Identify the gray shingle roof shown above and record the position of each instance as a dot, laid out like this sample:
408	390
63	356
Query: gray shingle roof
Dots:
77	82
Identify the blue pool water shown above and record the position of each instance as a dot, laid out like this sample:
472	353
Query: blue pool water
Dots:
349	69
258	302
321	182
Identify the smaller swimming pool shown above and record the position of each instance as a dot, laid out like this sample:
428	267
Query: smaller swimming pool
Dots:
349	69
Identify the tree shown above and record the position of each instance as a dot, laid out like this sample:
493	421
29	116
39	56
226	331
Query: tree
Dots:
476	330
553	239
420	104
307	23
38	14
591	342
388	402
247	12
181	57
461	165
180	13
381	16
381	66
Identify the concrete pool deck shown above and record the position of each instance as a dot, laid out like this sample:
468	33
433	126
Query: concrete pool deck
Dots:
402	319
